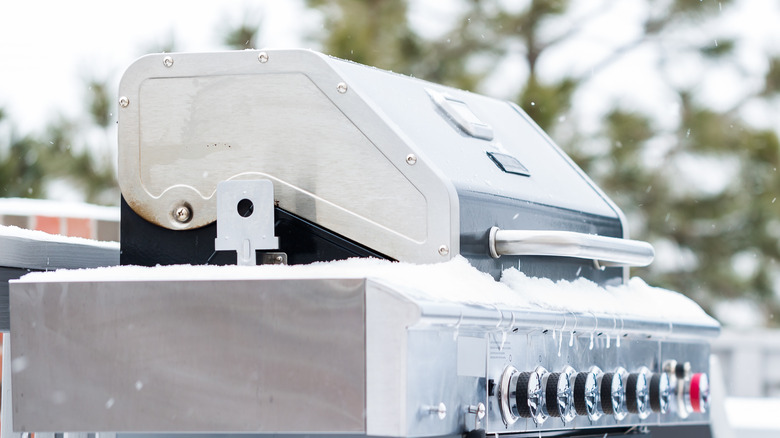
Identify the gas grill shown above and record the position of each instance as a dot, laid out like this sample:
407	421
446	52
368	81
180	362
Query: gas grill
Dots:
291	157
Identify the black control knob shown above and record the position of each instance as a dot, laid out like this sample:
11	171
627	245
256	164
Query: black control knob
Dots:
521	393
638	394
551	395
559	395
660	392
531	395
586	393
613	394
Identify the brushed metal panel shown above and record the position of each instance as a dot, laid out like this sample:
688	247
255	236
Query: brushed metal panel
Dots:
388	360
192	356
334	157
196	132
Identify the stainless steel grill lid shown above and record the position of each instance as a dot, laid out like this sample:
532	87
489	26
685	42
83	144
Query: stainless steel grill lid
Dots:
410	170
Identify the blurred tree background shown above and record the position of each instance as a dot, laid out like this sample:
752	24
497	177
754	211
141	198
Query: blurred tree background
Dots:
699	181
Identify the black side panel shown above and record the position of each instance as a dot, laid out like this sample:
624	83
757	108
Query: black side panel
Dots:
696	431
6	274
479	212
146	244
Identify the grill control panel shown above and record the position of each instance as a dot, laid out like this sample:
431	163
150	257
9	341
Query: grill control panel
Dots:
540	394
540	381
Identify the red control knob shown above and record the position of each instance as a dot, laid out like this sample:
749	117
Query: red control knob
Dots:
699	392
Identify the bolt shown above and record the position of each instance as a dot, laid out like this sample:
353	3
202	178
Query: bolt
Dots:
411	159
440	410
262	57
444	250
342	87
168	61
124	101
479	410
182	214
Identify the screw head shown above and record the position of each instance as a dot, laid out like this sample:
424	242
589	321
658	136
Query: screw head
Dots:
168	61
441	411
342	87
444	250
262	57
411	159
124	101
182	214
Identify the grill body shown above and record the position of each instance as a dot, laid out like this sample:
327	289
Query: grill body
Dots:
459	188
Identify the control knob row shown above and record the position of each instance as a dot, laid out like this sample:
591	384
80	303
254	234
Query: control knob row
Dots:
539	394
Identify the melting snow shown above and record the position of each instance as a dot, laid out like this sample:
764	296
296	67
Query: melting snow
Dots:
453	281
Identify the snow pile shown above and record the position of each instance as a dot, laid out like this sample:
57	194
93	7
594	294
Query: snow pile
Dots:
636	298
453	281
22	234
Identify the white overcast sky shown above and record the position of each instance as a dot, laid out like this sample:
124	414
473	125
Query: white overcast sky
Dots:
49	47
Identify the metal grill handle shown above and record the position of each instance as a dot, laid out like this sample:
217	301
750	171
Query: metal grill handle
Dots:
607	251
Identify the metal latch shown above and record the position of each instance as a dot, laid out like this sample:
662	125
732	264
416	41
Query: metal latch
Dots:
245	219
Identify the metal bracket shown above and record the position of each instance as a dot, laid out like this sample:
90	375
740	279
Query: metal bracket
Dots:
245	218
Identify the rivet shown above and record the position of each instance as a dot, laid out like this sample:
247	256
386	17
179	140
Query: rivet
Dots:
342	87
262	57
411	159
168	61
182	214
124	101
444	250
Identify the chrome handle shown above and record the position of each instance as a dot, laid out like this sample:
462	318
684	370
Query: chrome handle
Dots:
608	251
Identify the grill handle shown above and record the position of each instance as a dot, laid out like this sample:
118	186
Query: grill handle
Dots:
605	251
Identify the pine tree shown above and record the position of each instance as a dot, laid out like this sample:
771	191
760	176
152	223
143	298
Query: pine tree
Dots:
724	242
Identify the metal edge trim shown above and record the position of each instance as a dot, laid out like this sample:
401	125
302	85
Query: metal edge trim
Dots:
47	255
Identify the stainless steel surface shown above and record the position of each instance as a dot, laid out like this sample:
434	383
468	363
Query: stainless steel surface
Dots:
388	316
506	395
25	251
605	250
189	356
48	254
245	219
309	356
333	157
